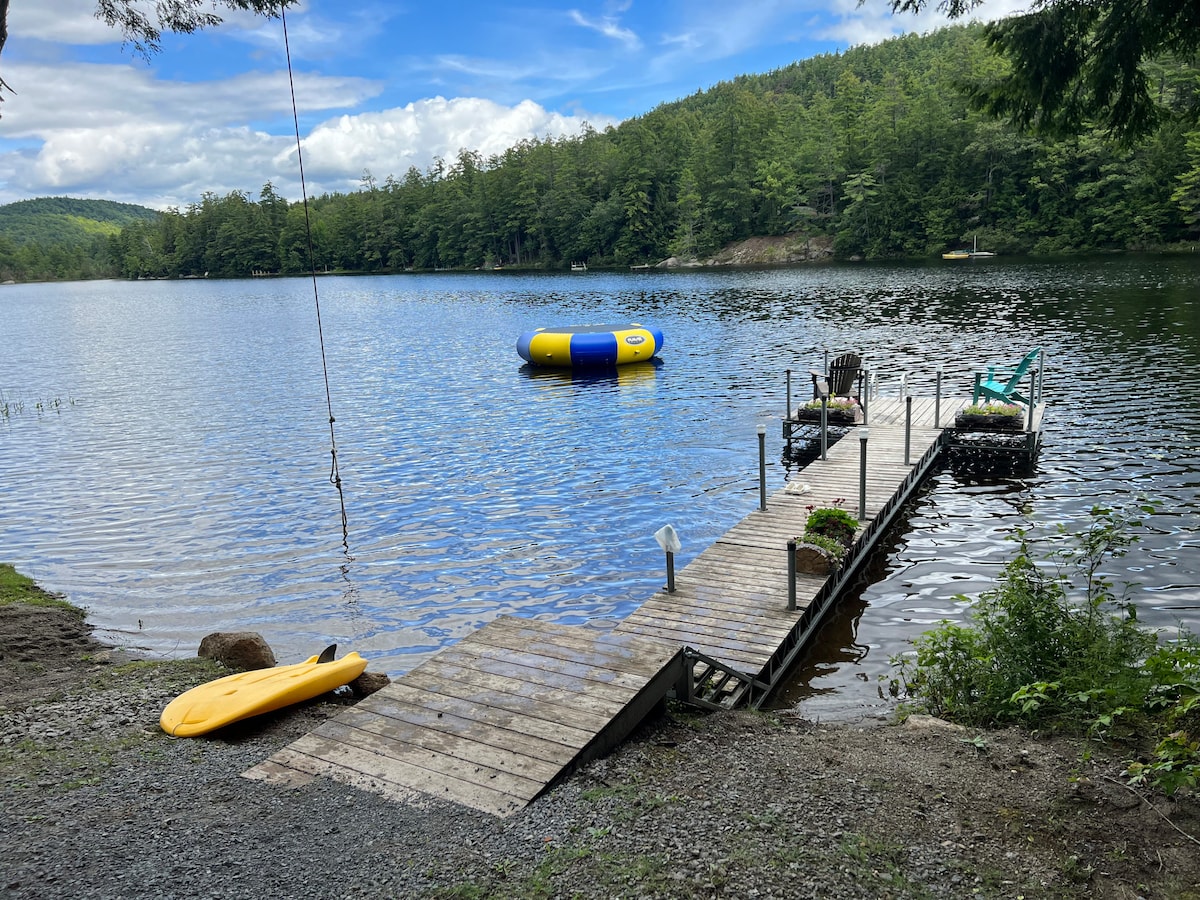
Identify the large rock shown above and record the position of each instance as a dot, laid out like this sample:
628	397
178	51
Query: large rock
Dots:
237	650
368	683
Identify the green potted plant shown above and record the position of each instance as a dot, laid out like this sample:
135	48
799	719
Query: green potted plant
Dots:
828	534
831	522
990	416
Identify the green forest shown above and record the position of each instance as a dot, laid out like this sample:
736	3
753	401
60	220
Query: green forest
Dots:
876	150
61	237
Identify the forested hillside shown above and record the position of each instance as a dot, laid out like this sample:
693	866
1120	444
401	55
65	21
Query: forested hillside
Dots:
62	237
875	149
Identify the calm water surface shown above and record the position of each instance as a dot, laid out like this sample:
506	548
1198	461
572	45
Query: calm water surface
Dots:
165	454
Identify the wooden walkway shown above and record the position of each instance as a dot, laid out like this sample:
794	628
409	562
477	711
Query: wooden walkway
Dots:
494	720
731	602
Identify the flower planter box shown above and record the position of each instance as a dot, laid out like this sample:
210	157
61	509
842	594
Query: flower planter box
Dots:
813	560
834	416
973	422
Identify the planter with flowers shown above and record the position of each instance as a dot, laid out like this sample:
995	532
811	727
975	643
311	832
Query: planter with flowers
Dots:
839	411
991	417
828	535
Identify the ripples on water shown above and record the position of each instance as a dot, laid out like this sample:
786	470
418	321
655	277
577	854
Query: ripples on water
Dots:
183	485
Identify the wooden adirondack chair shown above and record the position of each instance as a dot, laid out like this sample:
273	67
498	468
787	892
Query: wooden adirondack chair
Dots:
989	386
844	375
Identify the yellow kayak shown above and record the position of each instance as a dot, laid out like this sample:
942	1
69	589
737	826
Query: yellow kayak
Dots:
235	697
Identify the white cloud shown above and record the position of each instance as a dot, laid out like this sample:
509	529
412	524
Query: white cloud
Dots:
389	142
608	26
75	22
118	132
870	23
60	21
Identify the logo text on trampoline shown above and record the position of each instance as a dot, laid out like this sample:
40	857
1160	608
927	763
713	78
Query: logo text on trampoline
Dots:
635	339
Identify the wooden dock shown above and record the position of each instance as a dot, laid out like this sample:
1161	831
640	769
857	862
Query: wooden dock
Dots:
731	602
494	720
490	722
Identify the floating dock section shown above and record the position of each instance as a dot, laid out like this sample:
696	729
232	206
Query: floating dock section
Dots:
493	721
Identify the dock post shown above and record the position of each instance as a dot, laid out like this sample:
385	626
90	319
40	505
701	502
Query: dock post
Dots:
762	466
791	552
824	426
937	401
669	541
907	429
865	399
787	412
862	474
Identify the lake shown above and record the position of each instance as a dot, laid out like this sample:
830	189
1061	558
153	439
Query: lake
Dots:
165	446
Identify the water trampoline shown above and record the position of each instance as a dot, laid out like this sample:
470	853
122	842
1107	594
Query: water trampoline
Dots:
590	346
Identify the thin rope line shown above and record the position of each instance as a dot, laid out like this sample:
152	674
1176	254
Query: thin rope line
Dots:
335	477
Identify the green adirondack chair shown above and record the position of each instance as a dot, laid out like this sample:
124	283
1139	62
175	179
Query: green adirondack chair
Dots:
989	386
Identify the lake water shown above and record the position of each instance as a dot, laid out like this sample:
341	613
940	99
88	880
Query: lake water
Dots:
165	451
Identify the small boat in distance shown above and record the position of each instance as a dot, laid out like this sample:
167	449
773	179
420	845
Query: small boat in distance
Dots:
579	267
976	252
973	253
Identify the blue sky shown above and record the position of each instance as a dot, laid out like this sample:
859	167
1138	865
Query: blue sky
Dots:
381	86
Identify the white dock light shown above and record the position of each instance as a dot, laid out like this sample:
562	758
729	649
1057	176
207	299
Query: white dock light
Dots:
669	541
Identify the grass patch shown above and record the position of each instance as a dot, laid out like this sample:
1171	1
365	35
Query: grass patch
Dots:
18	588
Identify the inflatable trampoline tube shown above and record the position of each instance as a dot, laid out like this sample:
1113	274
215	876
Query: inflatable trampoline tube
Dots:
590	346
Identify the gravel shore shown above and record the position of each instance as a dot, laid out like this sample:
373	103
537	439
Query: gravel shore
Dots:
98	802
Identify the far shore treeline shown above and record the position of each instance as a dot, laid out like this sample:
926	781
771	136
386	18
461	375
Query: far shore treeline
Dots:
875	150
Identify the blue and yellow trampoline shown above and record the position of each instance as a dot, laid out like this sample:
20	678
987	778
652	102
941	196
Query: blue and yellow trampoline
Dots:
590	346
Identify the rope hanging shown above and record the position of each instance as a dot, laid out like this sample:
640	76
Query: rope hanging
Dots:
334	477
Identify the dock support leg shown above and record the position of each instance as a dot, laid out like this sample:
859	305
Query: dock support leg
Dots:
937	401
762	467
791	552
862	474
824	426
907	430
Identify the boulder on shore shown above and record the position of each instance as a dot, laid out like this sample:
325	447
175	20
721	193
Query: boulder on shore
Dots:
242	650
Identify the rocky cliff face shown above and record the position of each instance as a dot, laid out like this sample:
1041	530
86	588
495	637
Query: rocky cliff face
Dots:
762	251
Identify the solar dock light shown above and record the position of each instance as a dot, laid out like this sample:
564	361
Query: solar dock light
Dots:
669	541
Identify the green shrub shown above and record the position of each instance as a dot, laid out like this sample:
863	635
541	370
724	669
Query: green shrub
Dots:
1054	646
833	523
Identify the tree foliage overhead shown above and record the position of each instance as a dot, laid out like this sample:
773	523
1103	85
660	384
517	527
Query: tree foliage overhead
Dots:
1078	62
144	31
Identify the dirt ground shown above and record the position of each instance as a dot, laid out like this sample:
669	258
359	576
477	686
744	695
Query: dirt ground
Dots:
921	809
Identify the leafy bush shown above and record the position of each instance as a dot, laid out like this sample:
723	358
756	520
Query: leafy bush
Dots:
1034	654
